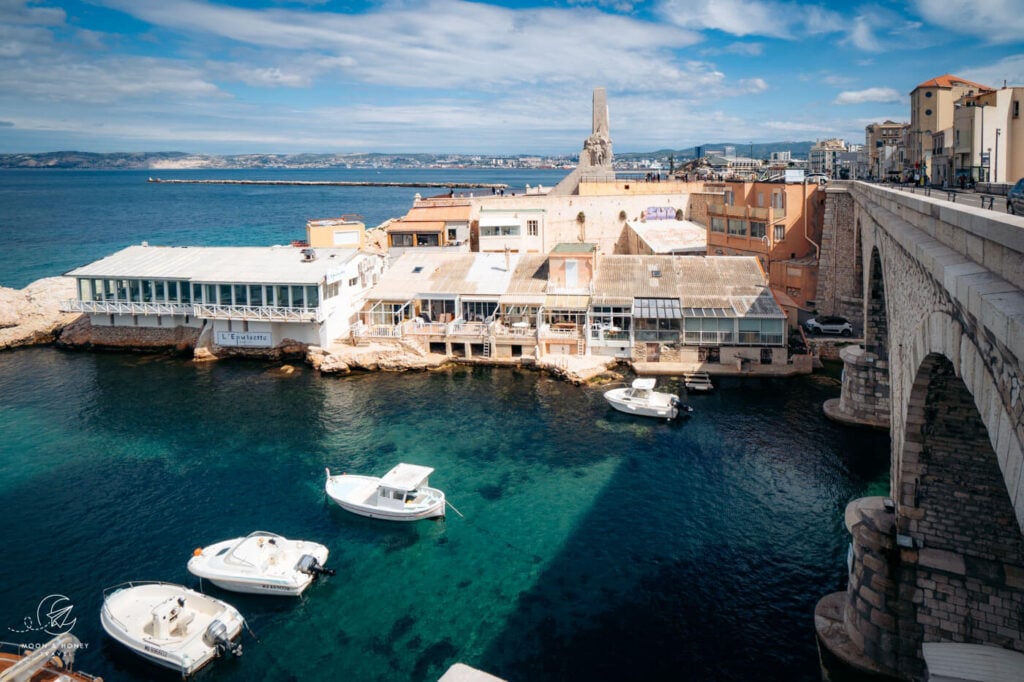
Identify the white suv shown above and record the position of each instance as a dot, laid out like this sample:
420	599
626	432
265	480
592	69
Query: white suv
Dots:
829	324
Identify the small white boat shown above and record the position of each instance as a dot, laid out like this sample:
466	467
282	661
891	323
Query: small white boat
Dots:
171	625
261	563
51	661
698	382
402	494
641	398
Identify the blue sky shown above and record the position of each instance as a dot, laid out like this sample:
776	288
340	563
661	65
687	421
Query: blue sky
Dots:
498	77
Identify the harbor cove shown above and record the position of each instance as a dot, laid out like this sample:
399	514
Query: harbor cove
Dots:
590	545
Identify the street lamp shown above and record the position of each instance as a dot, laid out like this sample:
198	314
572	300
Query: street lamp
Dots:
995	168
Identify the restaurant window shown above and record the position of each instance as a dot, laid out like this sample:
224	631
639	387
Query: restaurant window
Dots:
184	292
312	296
255	295
241	295
429	239
499	230
281	296
718	224
298	301
159	291
401	239
224	291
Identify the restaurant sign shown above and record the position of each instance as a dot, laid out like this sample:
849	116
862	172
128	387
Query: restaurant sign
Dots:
245	339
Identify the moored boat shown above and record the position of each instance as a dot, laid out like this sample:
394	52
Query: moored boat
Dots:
261	563
50	661
640	398
171	625
402	494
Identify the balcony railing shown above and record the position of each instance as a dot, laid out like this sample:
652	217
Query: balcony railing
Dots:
258	313
125	308
559	332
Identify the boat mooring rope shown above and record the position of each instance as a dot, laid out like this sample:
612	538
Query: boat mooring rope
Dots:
483	529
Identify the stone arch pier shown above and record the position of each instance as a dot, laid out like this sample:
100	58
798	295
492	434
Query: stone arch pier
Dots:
940	561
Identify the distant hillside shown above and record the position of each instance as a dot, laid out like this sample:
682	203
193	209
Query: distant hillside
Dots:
183	160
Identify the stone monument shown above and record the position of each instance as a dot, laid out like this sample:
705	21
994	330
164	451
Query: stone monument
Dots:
595	164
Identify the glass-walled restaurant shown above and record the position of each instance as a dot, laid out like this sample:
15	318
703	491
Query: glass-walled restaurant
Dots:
186	293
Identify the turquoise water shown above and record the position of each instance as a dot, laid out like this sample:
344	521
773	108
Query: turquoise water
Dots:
595	545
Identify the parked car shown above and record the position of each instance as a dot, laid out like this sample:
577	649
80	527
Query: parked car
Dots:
829	324
1015	198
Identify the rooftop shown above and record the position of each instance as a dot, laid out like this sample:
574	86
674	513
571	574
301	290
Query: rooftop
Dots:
219	264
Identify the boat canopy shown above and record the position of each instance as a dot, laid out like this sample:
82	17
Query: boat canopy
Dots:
406	477
645	384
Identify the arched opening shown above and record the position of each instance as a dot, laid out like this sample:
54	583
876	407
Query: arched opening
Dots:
962	553
876	323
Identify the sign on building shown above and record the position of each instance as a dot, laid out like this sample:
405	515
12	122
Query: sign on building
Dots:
245	339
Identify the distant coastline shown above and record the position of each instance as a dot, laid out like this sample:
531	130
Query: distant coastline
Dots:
75	160
335	183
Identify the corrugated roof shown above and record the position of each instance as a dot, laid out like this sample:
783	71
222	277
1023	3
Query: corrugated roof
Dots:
672	236
732	283
422	273
442	213
227	264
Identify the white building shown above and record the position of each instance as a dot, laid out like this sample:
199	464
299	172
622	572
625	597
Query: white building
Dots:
254	297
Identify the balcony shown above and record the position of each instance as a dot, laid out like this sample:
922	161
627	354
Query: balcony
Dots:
255	313
125	308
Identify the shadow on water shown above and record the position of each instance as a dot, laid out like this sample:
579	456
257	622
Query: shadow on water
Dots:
705	553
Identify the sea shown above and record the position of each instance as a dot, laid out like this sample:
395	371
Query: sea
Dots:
581	544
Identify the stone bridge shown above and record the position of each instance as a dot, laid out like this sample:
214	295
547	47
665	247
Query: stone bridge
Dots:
940	288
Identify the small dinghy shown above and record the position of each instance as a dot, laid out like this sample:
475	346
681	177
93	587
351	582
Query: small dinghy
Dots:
402	494
171	625
261	563
641	398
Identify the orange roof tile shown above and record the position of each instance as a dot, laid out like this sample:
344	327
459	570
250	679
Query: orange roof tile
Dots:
948	81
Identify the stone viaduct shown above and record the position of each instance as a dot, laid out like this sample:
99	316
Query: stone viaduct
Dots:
939	564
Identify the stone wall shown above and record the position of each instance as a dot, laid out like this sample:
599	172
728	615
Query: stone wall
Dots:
839	270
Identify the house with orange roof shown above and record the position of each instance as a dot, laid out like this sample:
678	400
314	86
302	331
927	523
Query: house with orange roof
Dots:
931	114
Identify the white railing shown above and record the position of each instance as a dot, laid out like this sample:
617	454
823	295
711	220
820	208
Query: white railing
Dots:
415	328
125	308
381	331
549	332
467	329
249	312
513	331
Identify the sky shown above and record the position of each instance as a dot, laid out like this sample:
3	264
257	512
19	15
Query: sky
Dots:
492	77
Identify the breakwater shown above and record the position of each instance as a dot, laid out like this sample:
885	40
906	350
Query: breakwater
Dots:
335	183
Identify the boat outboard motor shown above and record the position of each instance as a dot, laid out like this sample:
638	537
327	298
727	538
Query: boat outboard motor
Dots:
217	635
310	566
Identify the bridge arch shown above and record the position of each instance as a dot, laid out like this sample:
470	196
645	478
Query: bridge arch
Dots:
943	560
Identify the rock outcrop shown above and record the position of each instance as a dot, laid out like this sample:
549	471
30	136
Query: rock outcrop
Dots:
32	315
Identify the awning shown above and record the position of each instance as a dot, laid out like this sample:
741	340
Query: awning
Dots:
657	308
521	299
567	302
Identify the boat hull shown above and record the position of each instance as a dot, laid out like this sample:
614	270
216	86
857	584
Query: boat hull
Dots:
185	655
354	494
280	578
617	399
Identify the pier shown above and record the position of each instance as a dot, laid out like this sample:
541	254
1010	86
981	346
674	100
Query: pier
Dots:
335	183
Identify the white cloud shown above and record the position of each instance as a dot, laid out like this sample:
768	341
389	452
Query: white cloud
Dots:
869	95
995	21
1009	69
754	85
786	20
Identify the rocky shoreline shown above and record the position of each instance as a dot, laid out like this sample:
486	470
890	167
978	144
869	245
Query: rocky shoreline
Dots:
32	316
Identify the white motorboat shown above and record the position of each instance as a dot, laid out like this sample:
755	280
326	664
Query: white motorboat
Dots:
171	625
698	382
402	494
50	661
261	563
641	398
